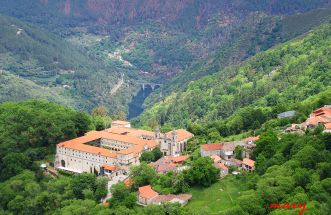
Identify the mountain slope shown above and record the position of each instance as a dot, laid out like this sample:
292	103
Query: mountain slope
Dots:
183	14
58	68
14	88
257	33
249	93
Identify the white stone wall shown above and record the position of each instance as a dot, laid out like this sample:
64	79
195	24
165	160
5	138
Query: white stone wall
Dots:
81	161
205	153
115	145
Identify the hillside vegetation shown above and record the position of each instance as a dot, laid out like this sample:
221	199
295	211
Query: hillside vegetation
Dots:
59	70
245	96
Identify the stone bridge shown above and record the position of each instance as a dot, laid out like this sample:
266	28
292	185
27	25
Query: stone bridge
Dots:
152	85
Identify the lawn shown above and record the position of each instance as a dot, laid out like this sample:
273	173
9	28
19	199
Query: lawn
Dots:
216	198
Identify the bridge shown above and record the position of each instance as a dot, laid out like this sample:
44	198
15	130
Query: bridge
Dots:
152	85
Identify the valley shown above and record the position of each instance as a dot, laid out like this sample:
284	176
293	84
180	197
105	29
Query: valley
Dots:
188	107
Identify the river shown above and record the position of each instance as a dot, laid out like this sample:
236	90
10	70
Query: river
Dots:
135	106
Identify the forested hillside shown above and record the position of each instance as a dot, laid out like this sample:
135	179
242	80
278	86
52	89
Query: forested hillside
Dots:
245	96
53	69
256	33
169	42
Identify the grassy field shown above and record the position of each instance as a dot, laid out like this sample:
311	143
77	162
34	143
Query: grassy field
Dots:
220	196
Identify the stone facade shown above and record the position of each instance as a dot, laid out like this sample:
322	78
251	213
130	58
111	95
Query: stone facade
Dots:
116	146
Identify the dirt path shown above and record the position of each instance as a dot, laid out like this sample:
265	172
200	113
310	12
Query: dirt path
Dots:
117	86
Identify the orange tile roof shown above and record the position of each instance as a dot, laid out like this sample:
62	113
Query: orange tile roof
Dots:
134	149
126	138
252	138
147	192
215	158
212	146
130	131
110	168
248	162
182	134
179	159
316	120
328	126
221	166
322	111
79	143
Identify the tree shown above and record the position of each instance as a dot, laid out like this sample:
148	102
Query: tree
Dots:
266	145
238	152
157	153
147	156
202	172
82	182
251	203
13	163
179	184
121	196
99	111
236	210
142	174
101	188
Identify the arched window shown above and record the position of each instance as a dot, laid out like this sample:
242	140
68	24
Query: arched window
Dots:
63	163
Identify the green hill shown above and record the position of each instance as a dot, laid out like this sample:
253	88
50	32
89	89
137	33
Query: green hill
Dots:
49	67
12	86
244	96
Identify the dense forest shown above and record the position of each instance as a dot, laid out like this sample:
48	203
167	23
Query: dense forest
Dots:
245	96
289	168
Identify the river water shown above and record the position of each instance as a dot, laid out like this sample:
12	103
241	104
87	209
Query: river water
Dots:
135	106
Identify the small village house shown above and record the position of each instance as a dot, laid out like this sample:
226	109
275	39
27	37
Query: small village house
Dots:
223	169
327	128
211	149
170	163
147	196
248	164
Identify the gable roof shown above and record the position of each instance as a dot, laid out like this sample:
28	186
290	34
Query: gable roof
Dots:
252	138
182	134
216	158
110	168
130	131
212	146
147	192
326	110
316	120
178	159
221	166
249	162
328	126
80	143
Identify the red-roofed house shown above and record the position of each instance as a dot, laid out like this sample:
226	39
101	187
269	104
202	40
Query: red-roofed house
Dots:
211	149
248	164
146	194
327	128
321	116
169	163
250	140
223	169
216	158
